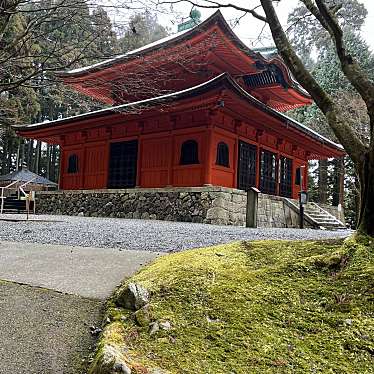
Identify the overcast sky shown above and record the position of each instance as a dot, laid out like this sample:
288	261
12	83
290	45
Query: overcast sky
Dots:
249	28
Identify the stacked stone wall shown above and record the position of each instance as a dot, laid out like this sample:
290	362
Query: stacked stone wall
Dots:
270	212
215	205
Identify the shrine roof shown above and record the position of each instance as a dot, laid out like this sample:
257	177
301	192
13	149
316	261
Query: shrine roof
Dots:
260	62
24	175
222	80
176	38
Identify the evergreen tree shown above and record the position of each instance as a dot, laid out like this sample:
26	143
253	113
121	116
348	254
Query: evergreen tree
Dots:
326	69
58	35
143	29
307	34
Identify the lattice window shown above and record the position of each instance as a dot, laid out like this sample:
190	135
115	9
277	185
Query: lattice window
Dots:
268	175
73	164
285	178
247	166
189	153
298	177
223	154
123	164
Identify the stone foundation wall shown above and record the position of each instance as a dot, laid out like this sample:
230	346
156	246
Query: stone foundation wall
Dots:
270	212
215	205
273	212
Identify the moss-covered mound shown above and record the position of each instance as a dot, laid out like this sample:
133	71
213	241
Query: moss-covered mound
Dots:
259	307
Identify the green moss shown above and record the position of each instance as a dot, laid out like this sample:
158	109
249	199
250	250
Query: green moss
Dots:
260	307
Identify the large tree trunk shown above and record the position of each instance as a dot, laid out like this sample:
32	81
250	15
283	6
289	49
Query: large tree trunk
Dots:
338	182
341	182
30	151
48	163
36	165
365	170
322	181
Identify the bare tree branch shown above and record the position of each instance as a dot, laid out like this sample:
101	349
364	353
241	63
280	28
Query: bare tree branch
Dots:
210	4
343	132
350	67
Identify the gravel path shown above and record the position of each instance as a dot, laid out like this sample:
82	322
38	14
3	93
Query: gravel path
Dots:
43	331
159	236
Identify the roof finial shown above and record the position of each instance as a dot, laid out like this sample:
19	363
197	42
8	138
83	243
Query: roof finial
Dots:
194	20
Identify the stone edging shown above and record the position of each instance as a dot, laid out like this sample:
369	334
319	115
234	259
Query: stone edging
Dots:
112	354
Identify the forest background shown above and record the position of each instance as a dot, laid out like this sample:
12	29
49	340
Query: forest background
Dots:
38	38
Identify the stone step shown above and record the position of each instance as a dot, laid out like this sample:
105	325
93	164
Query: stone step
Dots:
332	223
324	219
331	226
317	214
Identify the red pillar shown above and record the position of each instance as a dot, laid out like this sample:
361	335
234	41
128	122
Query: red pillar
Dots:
208	157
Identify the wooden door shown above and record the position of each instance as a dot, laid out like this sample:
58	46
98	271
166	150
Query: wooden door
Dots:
247	165
123	159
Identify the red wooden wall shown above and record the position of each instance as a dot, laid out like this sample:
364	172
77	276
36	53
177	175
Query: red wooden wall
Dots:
159	147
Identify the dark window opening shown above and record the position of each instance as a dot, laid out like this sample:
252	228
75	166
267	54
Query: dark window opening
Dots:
189	153
73	164
223	154
268	176
285	178
298	177
247	166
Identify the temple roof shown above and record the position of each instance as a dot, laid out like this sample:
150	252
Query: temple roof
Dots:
24	175
265	75
222	81
170	40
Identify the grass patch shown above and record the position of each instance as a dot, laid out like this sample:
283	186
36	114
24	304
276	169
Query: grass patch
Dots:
259	307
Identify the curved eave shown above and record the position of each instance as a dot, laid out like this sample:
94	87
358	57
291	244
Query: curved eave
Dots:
222	81
338	150
126	108
215	19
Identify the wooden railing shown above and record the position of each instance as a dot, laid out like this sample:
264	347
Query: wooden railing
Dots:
28	196
19	190
3	197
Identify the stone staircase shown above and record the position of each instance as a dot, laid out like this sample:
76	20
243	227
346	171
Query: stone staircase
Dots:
14	205
317	217
322	218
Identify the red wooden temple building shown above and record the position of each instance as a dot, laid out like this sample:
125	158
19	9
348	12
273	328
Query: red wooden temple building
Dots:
197	108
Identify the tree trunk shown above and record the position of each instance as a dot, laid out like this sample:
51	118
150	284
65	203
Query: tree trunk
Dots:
341	182
338	182
30	149
4	155
48	163
54	176
322	181
357	199
365	170
22	153
18	153
37	157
